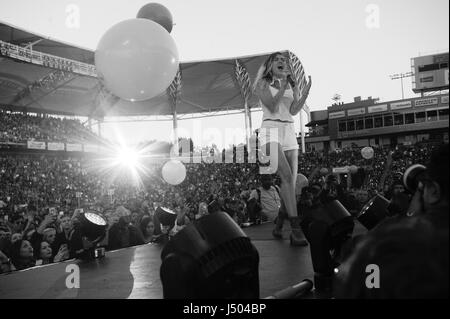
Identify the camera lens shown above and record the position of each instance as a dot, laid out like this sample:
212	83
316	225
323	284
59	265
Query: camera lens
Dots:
412	176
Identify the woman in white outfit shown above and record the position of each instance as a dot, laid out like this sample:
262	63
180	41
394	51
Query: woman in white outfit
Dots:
281	99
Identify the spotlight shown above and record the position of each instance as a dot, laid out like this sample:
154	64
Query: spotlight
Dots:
210	258
93	228
166	216
336	216
330	227
374	212
93	225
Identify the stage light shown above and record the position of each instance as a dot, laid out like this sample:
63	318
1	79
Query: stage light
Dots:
330	227
336	216
374	212
210	258
93	227
166	216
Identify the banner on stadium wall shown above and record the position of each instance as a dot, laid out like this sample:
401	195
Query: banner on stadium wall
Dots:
444	99
426	102
74	148
52	146
356	111
340	170
401	105
377	108
336	115
35	145
90	148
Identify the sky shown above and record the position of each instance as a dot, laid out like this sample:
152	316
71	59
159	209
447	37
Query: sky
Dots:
349	47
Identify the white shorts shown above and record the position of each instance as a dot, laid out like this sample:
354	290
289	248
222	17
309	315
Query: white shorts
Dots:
280	132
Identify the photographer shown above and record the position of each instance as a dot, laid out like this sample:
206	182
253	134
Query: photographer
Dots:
410	252
431	199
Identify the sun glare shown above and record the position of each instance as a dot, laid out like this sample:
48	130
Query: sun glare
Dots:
128	157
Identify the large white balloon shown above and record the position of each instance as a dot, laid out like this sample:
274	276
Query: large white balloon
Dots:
174	172
137	58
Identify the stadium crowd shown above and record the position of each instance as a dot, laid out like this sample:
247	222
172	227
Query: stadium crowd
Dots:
42	196
20	127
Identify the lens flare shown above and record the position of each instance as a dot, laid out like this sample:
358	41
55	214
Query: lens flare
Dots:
127	157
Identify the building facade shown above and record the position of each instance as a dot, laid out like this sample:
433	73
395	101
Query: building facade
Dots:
372	123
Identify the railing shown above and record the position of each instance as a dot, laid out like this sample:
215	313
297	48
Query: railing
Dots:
52	61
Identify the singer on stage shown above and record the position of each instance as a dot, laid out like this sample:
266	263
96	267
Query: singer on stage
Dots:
281	99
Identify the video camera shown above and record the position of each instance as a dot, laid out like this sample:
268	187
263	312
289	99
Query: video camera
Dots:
412	177
378	208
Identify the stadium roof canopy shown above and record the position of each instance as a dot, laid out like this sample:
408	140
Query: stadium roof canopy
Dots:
37	74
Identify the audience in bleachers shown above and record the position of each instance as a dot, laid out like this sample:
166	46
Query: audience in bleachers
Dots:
20	127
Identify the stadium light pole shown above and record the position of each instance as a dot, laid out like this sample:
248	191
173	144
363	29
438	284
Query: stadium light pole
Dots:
401	76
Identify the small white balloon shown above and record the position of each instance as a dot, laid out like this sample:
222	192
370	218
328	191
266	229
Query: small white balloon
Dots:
367	152
174	172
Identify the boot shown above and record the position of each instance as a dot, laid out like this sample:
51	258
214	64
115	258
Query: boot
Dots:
297	237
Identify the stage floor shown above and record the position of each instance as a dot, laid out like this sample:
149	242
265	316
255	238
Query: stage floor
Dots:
134	272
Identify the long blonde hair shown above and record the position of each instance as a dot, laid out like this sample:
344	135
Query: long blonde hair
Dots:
265	70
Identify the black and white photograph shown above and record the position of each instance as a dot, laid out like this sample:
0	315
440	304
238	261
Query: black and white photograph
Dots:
224	155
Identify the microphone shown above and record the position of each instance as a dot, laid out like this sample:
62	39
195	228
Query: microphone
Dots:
290	80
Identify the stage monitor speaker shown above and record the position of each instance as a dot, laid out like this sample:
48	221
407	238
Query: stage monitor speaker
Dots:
210	258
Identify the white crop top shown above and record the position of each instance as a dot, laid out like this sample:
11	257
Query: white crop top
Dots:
283	114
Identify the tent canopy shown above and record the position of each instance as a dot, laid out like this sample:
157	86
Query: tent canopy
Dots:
206	86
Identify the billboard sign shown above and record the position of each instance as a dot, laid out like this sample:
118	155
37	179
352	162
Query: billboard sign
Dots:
336	115
400	105
36	145
444	99
377	108
426	102
52	146
74	147
358	111
430	72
